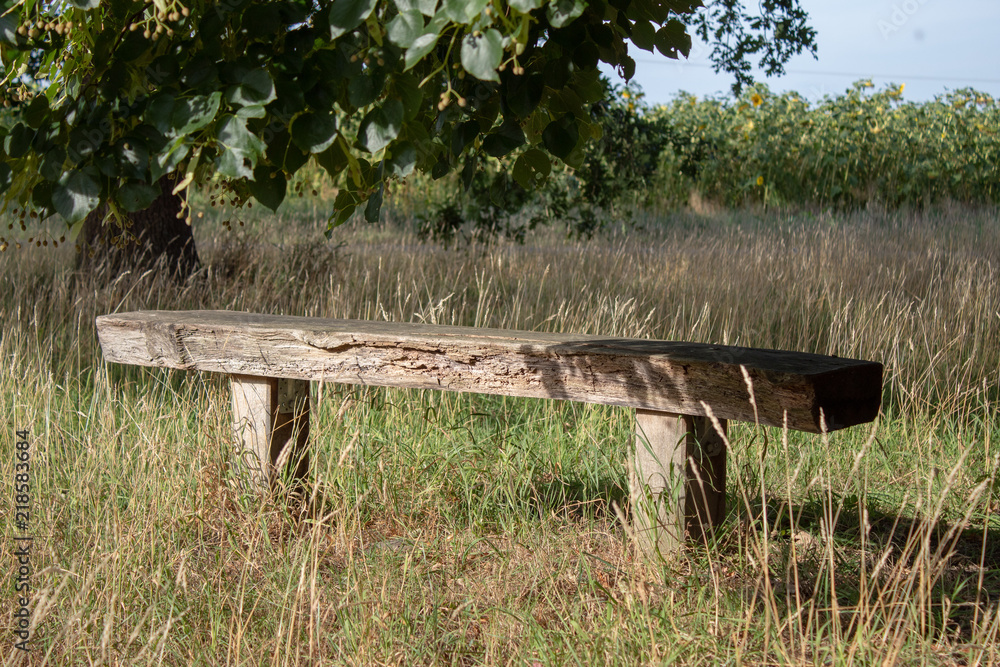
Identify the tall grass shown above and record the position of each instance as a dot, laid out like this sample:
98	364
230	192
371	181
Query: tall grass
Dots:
464	529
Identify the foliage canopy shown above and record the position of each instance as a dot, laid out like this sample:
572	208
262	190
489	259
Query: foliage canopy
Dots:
111	96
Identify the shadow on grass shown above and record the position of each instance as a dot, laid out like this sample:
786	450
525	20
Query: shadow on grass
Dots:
873	565
578	499
874	568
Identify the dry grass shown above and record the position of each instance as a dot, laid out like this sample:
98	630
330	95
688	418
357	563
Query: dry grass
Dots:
472	529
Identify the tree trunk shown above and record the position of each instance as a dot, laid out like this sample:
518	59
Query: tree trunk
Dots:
155	238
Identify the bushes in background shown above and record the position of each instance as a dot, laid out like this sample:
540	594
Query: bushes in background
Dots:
848	151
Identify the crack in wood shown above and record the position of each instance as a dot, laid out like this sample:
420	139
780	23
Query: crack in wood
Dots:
664	376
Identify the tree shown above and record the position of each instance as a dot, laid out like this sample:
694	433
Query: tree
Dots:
113	97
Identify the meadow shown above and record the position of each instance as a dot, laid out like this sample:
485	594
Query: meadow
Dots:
465	529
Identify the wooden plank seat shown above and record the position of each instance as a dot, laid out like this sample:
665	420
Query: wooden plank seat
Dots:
683	393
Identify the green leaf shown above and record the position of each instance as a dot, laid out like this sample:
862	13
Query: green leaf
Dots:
133	158
346	15
563	12
136	195
180	117
268	186
51	168
659	11
17	143
380	126
41	197
314	132
526	6
628	68
8	30
233	164
643	35
684	6
192	114
481	55
37	111
161	71
333	160
242	147
556	73
85	4
589	87
83	142
106	166
199	72
586	56
255	88
292	158
425	7
673	37
503	140
402	159
406	88
560	136
421	47
5	176
169	158
76	195
486	109
159	112
405	28
469	171
463	11
251	112
532	168
602	36
524	93
440	169
374	207
462	135
361	90
343	208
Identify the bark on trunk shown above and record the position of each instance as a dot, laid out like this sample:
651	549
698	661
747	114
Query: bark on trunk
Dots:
155	238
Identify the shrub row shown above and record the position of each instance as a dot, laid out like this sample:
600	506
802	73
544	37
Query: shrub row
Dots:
849	150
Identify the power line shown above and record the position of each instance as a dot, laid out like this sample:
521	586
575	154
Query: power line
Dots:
900	77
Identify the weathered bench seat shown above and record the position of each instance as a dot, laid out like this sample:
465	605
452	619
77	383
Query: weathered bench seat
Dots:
674	386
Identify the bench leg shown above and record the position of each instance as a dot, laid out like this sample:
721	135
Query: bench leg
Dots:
677	480
271	423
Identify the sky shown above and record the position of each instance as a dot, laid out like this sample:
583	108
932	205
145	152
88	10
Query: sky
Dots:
931	46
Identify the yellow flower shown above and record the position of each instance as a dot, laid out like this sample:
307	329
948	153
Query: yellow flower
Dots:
901	86
760	180
756	99
625	94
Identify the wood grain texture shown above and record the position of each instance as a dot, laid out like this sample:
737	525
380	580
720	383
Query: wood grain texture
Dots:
254	401
271	427
663	376
677	480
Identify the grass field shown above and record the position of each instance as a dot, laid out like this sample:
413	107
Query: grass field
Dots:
465	529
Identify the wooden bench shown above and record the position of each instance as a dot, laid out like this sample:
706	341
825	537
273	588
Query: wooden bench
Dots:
682	393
